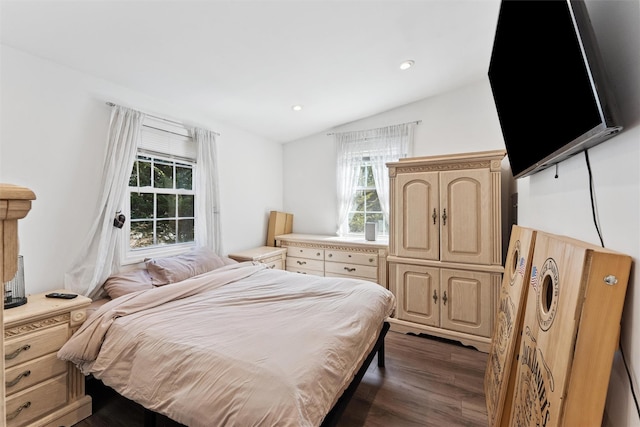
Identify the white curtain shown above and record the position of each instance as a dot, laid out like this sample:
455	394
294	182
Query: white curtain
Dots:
100	254
382	145
206	185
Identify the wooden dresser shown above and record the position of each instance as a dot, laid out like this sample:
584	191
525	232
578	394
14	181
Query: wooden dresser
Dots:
42	390
336	256
445	248
271	256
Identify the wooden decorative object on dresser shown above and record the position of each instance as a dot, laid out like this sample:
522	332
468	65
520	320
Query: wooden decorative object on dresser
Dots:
336	256
41	389
272	257
15	204
445	245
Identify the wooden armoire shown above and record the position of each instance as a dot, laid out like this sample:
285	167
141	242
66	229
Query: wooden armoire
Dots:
445	245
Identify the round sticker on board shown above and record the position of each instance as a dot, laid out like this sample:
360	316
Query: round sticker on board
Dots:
547	294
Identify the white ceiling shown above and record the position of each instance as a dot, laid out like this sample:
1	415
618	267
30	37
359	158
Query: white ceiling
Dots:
247	62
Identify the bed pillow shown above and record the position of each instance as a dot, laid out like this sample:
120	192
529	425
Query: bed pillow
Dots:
126	282
174	269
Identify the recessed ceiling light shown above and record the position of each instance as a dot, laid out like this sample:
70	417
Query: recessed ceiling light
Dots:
407	64
297	108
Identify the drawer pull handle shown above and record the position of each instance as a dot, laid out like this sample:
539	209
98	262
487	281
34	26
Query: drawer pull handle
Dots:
318	254
301	262
444	298
17	379
271	266
435	297
330	255
371	259
350	270
17	411
17	352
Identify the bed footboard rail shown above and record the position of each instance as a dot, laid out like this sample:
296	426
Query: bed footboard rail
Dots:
334	415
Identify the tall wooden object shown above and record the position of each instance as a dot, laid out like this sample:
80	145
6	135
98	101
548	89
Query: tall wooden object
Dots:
279	223
445	245
500	376
15	203
570	333
565	345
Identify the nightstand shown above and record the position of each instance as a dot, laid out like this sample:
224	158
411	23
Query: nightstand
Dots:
42	390
272	256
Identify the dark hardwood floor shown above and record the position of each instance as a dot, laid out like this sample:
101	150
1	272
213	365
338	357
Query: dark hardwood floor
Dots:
426	382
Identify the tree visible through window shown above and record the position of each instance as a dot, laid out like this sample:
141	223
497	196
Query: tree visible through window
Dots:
366	203
161	202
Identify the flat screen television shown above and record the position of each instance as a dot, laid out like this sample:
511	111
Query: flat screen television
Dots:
549	83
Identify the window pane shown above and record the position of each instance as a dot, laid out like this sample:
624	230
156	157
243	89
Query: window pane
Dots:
185	230
376	217
370	182
162	174
373	203
166	232
356	223
362	176
184	177
141	234
141	205
358	201
166	206
185	205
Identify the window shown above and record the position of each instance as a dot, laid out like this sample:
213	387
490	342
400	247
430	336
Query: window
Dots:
161	197
161	202
366	205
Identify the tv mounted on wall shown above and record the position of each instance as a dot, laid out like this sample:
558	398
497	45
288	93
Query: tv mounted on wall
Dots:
549	83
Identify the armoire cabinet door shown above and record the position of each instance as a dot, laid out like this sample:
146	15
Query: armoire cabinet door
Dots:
466	301
417	220
465	216
418	293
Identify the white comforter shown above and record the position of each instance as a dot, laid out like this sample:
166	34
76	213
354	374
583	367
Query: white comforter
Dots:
239	346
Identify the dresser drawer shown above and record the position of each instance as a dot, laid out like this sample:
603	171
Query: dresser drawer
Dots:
27	374
351	270
351	257
305	271
305	263
310	253
33	402
30	346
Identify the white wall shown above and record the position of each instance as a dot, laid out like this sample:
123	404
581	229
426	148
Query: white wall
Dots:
460	121
466	120
52	140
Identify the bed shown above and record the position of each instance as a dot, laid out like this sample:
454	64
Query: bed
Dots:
239	344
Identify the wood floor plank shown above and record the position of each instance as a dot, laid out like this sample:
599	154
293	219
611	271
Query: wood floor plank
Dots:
427	382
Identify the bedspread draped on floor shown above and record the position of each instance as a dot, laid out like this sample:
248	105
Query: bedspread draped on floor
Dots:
241	345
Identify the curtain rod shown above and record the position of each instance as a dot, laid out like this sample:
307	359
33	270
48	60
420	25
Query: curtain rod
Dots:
111	104
417	122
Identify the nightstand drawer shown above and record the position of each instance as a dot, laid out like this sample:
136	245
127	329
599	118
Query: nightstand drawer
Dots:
351	257
351	270
275	263
24	376
33	345
33	402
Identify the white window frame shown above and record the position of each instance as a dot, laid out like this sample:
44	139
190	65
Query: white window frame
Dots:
169	142
364	162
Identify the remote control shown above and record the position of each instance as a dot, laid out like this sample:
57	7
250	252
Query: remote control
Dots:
60	295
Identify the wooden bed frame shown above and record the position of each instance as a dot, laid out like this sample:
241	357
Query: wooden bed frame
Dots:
334	415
